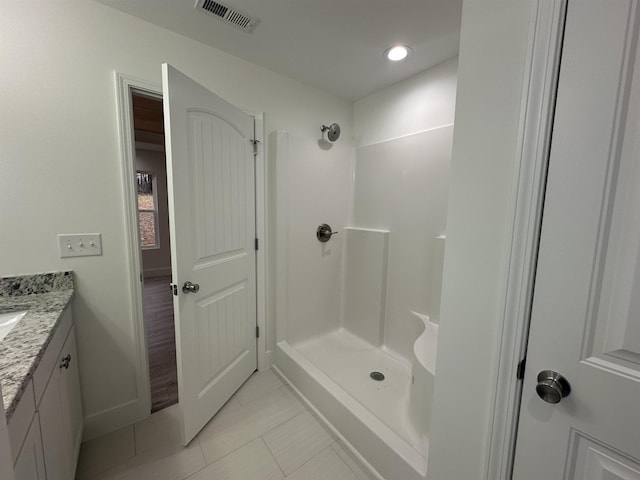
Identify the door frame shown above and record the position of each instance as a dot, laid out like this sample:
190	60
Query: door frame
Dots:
541	72
124	86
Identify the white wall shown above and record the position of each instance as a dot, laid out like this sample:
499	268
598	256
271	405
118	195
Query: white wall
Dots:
426	100
61	167
490	81
157	261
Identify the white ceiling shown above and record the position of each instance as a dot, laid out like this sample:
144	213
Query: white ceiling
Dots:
335	45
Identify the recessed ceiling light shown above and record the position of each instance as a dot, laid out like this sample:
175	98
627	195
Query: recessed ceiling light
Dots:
397	53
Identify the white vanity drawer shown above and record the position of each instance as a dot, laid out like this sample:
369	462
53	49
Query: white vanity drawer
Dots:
50	358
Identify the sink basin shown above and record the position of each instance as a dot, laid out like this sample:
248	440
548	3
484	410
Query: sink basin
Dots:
8	320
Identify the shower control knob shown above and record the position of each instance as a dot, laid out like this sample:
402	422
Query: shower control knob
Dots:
324	233
189	287
552	387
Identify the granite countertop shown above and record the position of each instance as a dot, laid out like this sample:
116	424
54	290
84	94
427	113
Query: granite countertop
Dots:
46	296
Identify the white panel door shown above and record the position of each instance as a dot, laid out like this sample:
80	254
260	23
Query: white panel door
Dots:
210	176
586	308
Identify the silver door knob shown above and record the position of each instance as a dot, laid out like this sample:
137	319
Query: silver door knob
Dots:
552	387
189	287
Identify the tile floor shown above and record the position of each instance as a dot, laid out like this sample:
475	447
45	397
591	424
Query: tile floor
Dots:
263	433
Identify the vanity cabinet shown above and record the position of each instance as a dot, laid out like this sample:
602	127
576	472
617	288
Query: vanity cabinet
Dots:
71	397
61	417
53	405
30	462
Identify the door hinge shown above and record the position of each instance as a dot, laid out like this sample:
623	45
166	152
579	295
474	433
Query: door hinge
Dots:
255	143
520	370
256	244
257	331
174	288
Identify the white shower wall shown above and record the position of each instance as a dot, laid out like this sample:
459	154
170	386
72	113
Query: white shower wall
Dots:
403	136
364	293
425	101
312	185
401	186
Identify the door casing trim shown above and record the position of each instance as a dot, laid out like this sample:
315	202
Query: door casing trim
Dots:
124	85
542	66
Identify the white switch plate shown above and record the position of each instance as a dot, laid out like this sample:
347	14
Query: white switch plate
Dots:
80	244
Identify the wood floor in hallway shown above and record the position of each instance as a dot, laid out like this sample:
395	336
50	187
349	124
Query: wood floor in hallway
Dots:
161	342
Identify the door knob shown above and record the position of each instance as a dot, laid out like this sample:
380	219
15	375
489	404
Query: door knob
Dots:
552	387
189	287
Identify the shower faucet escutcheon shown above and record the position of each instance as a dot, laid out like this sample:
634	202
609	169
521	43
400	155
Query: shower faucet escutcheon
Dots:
324	233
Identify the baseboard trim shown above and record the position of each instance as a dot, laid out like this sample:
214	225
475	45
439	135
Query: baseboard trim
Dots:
156	272
112	419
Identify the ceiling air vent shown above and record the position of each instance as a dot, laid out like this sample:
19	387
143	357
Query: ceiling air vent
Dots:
227	14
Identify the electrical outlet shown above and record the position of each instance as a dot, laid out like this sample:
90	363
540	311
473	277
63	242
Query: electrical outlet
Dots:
80	244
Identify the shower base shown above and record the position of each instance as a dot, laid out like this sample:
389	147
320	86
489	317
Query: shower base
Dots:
331	372
349	361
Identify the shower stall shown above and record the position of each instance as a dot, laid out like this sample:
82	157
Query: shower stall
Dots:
358	313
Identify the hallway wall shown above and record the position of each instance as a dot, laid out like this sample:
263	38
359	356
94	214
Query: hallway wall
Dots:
157	261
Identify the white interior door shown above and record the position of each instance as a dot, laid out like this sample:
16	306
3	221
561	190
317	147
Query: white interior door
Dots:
210	176
586	308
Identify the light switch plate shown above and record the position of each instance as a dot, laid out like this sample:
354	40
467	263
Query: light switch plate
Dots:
80	244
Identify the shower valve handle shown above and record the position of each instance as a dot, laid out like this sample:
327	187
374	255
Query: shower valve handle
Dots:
324	233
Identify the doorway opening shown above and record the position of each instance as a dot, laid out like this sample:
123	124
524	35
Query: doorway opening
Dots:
155	251
152	140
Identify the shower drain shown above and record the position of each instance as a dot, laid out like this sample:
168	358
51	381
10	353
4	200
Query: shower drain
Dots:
377	376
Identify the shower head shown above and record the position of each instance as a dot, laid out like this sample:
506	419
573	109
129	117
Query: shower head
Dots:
333	131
